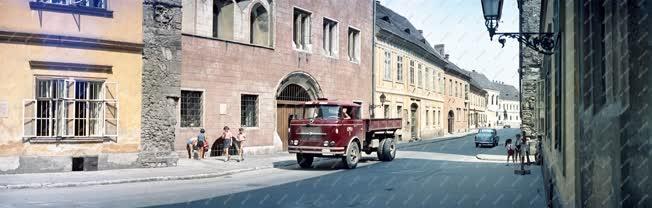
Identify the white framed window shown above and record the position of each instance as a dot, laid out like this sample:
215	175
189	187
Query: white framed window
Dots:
388	66
420	77
399	68
354	44
301	30
191	108
69	107
412	72
330	37
427	78
99	4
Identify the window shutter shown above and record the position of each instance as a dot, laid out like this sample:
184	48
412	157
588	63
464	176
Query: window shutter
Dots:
29	118
110	109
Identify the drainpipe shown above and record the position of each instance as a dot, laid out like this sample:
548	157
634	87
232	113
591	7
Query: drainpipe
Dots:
373	61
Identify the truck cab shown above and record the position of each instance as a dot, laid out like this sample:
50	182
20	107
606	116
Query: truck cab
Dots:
335	129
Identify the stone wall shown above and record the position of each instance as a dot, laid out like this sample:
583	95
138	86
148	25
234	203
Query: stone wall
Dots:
530	62
161	82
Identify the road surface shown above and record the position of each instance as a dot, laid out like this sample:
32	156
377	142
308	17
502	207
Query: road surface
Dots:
440	174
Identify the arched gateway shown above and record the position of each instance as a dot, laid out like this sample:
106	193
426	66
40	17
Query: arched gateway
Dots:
292	91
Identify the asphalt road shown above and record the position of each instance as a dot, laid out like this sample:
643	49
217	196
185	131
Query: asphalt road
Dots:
440	174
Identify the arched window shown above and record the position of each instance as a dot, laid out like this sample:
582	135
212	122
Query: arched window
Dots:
223	15
259	25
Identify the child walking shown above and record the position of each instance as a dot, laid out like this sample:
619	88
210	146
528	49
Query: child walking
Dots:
227	142
510	151
239	142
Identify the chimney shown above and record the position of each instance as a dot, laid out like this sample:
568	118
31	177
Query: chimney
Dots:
420	31
446	56
439	48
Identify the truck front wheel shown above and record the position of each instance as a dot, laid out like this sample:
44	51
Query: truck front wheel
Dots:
305	161
352	156
386	150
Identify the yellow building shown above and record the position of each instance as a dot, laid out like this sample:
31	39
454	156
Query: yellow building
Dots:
409	73
70	92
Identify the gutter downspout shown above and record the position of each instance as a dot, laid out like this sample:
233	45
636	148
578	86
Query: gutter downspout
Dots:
372	107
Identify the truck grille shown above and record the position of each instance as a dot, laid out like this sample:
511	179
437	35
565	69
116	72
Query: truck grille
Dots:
311	133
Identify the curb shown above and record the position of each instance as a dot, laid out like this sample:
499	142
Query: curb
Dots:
428	141
488	159
137	180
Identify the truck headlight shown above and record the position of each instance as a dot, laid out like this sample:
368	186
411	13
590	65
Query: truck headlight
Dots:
295	142
325	143
332	143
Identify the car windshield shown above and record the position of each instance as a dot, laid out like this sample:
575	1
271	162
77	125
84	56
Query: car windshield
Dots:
322	112
484	134
487	131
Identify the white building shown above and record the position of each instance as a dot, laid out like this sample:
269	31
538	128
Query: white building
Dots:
509	107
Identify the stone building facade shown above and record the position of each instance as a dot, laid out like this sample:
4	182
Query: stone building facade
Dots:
409	73
75	76
477	104
595	109
529	67
509	106
249	63
456	99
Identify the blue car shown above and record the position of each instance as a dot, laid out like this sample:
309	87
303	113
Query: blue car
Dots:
487	136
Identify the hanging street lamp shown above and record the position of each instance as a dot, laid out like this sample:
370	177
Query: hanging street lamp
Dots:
541	42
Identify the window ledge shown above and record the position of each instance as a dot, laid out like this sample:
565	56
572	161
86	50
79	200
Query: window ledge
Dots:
73	140
71	9
229	41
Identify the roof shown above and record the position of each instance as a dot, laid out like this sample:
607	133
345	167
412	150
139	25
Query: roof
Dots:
394	23
481	80
507	92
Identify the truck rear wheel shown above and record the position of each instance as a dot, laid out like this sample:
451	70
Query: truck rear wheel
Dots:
352	156
386	150
305	161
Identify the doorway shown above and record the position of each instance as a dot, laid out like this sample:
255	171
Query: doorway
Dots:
293	91
414	108
451	121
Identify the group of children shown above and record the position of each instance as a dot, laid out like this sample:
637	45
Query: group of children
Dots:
521	149
200	144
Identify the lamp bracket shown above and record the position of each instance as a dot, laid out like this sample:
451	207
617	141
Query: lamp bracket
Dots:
541	42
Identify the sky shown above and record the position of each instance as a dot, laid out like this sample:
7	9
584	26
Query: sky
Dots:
459	24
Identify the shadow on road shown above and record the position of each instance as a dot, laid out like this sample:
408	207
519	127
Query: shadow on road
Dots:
404	182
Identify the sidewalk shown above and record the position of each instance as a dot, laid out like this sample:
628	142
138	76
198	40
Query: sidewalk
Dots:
502	158
186	169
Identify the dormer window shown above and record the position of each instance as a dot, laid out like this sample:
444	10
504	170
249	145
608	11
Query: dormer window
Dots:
386	19
407	30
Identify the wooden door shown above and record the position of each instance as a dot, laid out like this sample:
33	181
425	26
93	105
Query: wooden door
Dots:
284	110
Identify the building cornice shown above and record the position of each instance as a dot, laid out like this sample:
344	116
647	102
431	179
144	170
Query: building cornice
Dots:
68	42
391	38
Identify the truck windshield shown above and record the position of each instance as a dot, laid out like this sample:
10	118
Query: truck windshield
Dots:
323	112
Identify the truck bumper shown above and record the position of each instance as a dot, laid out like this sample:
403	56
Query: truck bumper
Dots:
316	150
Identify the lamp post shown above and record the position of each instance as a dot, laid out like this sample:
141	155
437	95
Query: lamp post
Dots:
541	42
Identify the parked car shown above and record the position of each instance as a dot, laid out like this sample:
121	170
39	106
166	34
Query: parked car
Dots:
487	136
507	126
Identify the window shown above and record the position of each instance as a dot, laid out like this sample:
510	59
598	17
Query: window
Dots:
222	19
354	45
301	31
259	26
427	118
249	110
420	83
330	38
388	66
386	111
72	108
412	72
450	87
434	122
456	90
100	4
399	68
594	37
427	78
82	7
398	111
191	108
442	84
466	92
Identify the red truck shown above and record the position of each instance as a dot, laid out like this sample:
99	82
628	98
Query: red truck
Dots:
335	129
